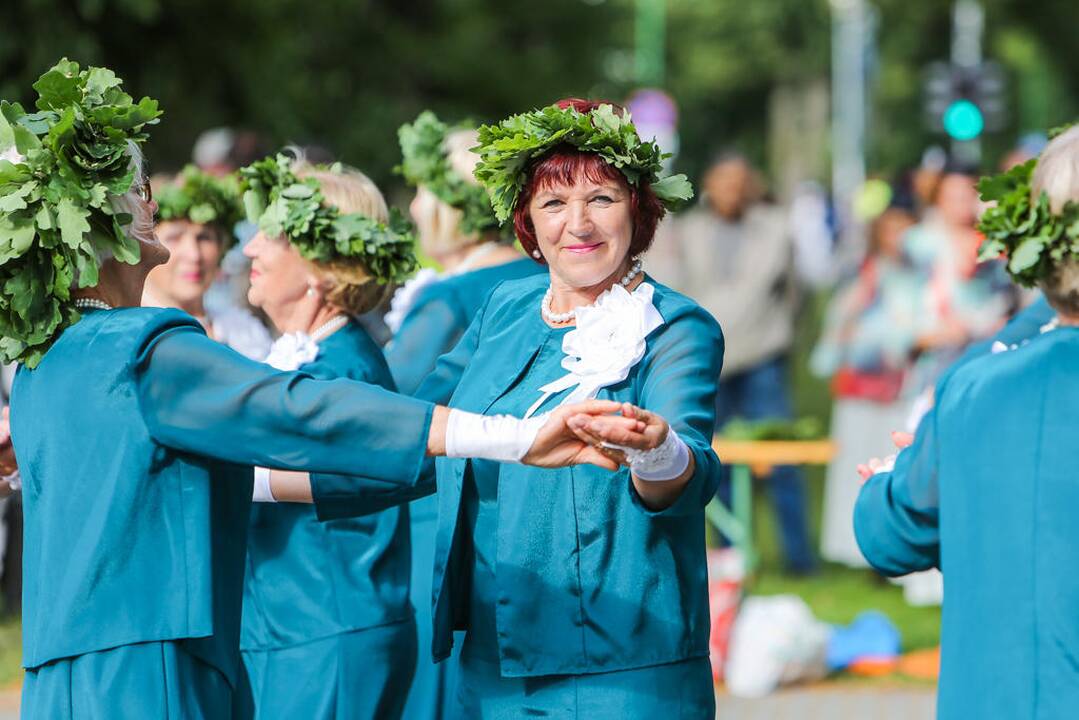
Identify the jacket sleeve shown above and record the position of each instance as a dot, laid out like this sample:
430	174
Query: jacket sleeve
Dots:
430	329
679	379
897	514
440	383
200	397
336	497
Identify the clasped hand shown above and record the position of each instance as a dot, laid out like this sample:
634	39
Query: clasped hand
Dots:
876	465
585	433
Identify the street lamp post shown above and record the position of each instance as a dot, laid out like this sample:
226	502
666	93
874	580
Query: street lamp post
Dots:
849	41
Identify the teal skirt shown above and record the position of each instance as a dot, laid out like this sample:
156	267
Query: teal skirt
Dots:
675	691
431	697
147	680
360	675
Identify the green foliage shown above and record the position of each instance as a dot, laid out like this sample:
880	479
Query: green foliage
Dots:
424	161
806	428
201	198
282	204
507	149
1024	230
56	220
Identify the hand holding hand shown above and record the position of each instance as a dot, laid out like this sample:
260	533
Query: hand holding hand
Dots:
603	431
558	443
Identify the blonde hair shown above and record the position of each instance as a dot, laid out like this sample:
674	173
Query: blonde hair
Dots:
439	223
347	282
1057	175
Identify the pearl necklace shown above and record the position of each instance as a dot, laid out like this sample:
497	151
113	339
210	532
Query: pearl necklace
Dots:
328	328
92	304
561	318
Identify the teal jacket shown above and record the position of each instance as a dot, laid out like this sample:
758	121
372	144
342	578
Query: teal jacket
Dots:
590	579
442	313
135	436
987	493
306	579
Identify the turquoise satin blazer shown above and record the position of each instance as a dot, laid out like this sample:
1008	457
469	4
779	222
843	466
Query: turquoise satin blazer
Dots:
307	579
135	436
590	579
442	313
988	494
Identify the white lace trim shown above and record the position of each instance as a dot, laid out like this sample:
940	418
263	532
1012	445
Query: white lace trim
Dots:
292	350
608	341
666	461
999	347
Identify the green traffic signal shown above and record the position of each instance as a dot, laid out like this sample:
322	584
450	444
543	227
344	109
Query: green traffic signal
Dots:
963	120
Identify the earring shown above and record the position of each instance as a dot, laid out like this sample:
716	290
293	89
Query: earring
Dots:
536	254
310	292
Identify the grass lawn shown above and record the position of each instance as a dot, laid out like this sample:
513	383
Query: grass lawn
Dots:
10	650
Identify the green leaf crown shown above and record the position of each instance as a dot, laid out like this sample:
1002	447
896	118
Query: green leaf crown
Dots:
508	149
282	204
424	161
62	164
1024	229
201	198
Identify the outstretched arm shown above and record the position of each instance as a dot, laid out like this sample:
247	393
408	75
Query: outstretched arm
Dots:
200	397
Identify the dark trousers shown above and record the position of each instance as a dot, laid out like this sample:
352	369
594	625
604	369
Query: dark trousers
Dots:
759	393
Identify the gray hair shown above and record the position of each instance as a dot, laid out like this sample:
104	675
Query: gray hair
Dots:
1057	171
130	202
1061	287
1057	175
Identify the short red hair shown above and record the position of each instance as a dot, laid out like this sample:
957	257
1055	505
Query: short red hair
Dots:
566	165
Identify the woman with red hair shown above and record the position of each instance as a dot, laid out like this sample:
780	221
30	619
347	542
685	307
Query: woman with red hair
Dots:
582	594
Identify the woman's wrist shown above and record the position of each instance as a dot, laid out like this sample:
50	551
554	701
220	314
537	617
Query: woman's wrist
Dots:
667	461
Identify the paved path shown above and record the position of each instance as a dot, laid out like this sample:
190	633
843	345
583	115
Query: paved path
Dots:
827	702
832	702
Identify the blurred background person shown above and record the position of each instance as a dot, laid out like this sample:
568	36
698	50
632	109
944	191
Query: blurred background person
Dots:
863	351
458	230
737	260
196	215
962	300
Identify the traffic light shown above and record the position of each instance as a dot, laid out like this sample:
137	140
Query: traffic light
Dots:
965	101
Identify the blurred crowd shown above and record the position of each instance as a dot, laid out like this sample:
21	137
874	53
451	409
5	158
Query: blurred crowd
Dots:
894	321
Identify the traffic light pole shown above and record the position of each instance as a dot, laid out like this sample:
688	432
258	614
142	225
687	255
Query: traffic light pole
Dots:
968	25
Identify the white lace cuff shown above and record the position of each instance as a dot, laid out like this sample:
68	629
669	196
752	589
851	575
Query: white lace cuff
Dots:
665	462
490	437
13	481
263	491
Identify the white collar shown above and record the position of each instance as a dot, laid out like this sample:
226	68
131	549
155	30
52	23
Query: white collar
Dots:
999	347
607	342
294	349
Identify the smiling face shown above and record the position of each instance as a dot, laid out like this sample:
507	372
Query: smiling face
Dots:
583	229
195	251
280	277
